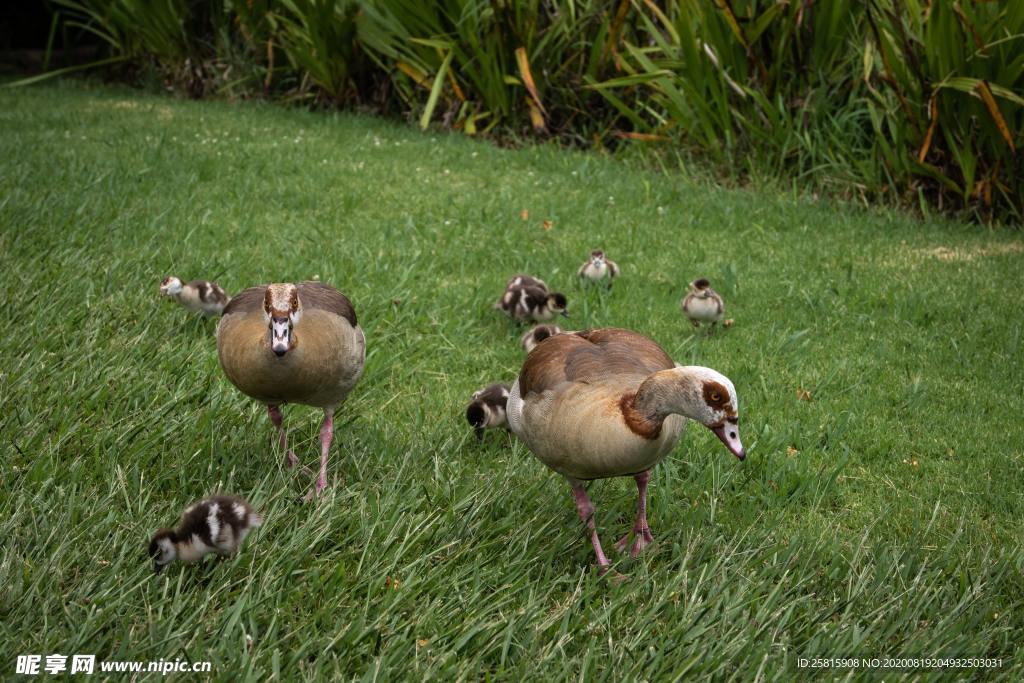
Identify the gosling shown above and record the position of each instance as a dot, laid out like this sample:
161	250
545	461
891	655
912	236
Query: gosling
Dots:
197	296
487	409
213	525
702	304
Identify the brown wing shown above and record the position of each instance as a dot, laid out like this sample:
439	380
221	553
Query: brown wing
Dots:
246	301
591	356
327	298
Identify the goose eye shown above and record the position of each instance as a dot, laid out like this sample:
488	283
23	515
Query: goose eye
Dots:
716	396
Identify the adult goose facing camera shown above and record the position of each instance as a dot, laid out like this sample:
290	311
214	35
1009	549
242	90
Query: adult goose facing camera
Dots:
611	403
293	343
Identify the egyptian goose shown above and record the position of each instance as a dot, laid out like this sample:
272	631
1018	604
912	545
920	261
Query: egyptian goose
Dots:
293	343
213	525
611	403
702	304
537	334
198	296
487	409
528	298
598	267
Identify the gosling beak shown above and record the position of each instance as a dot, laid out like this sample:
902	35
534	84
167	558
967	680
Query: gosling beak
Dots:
565	314
280	335
729	434
479	433
157	567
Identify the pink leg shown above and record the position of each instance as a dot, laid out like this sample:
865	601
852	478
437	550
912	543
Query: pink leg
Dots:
586	510
640	529
275	416
326	436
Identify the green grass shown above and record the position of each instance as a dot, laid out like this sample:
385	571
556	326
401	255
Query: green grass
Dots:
880	518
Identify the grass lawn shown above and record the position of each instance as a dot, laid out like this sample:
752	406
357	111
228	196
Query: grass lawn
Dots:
880	518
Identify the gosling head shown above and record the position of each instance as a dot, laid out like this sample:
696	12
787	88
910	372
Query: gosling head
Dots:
701	287
162	549
538	334
282	309
476	416
597	257
557	303
171	286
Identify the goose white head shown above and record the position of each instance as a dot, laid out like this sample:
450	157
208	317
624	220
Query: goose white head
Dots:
699	393
171	286
283	310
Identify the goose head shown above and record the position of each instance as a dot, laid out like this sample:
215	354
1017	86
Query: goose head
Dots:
701	394
282	310
162	549
171	286
597	257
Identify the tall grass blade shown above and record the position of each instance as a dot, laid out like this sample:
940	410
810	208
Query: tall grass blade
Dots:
435	91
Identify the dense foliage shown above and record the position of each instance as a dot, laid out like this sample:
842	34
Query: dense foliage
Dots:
913	100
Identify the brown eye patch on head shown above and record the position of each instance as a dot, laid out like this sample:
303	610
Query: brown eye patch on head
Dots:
293	300
267	299
716	395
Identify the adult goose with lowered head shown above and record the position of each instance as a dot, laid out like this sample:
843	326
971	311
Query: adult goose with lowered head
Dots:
611	403
293	343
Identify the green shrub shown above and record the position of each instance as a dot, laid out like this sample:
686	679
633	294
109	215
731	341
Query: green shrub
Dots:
885	95
517	64
917	102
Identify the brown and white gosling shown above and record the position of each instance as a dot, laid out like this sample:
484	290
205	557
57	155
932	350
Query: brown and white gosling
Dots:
293	343
487	409
537	334
528	298
702	304
598	267
611	403
212	525
198	296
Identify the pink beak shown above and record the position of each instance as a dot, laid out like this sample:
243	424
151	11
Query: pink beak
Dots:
729	434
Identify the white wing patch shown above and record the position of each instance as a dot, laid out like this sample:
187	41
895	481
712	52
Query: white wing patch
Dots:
213	522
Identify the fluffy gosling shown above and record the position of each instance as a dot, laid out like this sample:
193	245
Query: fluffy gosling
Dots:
537	334
702	304
527	298
213	525
198	296
487	409
598	267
